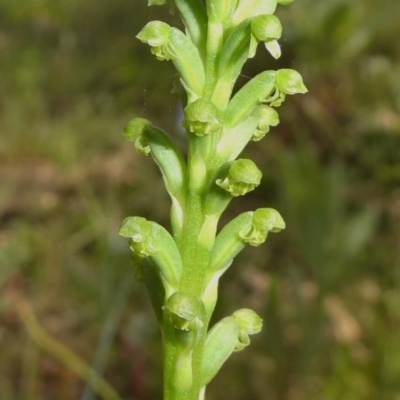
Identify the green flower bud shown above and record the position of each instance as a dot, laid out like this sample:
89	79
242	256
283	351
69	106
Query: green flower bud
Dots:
139	230
156	34
243	177
249	324
249	321
265	220
201	117
134	132
185	311
289	81
266	28
267	117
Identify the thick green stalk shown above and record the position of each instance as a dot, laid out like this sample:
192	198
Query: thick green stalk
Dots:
182	271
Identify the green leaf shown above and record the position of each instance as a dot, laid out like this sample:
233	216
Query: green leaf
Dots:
234	140
250	96
186	59
228	335
234	53
194	17
173	168
220	344
228	243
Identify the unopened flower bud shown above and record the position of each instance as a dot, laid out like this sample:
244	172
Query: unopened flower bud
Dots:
185	311
266	27
243	177
134	132
139	230
201	117
265	220
250	323
267	117
156	34
289	81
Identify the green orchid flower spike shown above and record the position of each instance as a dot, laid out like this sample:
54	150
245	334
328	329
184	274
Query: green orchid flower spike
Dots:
182	267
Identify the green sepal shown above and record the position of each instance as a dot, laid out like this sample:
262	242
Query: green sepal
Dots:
285	2
149	239
251	95
243	176
265	220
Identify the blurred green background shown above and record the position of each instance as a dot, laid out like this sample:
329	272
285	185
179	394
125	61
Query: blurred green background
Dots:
328	287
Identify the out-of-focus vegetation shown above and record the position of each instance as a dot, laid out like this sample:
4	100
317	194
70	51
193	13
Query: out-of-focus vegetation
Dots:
71	74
